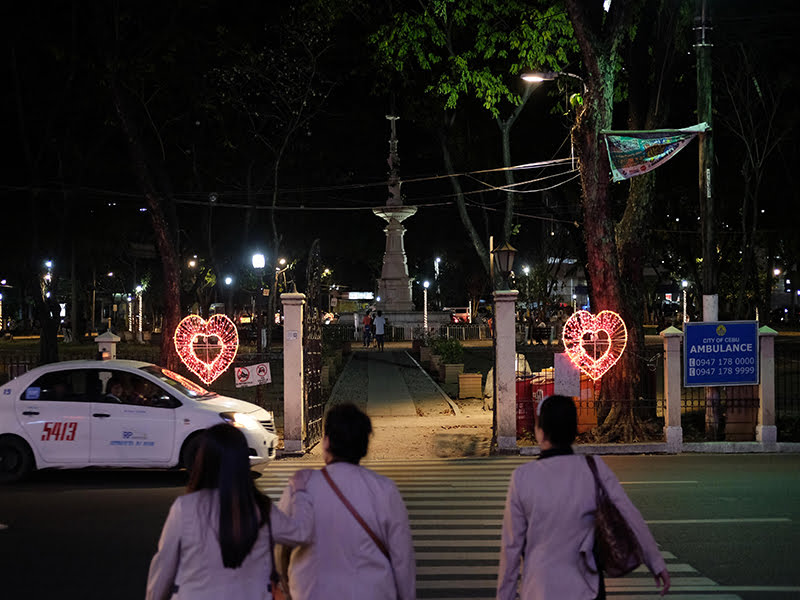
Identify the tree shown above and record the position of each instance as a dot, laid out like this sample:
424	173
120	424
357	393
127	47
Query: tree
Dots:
615	250
475	51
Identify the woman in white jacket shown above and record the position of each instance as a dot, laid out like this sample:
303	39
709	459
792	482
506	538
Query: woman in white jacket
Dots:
548	522
217	540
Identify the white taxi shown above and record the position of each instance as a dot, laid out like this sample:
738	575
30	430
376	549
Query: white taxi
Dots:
115	413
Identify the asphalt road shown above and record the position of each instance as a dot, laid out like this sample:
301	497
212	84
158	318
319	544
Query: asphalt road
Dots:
90	534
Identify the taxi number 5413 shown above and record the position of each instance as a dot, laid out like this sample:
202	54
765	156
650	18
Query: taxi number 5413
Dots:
59	432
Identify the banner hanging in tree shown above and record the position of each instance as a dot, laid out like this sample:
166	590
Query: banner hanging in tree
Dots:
633	153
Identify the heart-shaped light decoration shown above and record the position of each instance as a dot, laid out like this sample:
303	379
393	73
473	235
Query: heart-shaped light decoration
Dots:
206	359
594	343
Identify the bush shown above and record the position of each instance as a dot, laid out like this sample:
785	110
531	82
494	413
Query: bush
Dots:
451	351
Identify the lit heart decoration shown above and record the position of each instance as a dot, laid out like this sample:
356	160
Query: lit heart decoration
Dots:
194	333
594	343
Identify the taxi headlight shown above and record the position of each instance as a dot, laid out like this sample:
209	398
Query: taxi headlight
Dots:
240	420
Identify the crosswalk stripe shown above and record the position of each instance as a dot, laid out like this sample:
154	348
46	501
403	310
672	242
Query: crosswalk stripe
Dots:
455	510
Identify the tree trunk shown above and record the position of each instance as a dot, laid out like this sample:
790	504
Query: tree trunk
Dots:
155	205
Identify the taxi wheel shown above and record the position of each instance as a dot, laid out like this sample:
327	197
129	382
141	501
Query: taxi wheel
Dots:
189	450
16	459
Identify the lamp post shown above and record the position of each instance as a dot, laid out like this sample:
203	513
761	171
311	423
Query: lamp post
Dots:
504	258
535	77
684	285
139	329
438	302
425	286
258	264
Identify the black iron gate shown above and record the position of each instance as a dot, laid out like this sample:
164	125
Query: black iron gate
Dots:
312	352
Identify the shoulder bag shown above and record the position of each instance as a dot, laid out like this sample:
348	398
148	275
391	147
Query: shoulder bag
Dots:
616	549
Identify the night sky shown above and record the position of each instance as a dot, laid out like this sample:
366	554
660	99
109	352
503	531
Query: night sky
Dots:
67	182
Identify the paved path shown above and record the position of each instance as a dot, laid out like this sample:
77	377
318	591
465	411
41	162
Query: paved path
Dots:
387	384
456	509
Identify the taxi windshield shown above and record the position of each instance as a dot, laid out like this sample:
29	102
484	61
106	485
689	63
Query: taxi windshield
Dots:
179	382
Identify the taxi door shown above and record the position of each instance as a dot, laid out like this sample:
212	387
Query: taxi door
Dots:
136	427
55	413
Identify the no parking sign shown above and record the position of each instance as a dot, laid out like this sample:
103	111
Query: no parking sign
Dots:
257	374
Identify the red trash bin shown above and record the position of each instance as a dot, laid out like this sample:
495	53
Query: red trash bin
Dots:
525	406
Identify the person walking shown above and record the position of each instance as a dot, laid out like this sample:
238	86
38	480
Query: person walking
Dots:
217	539
362	546
548	523
379	324
367	323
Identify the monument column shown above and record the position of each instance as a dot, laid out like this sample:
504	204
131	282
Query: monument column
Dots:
394	286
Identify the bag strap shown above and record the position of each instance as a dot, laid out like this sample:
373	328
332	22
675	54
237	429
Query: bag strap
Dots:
354	512
274	578
599	490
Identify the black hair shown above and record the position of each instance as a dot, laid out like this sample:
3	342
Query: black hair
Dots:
223	463
558	419
348	430
380	313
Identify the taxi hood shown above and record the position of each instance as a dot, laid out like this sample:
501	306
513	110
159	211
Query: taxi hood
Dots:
227	404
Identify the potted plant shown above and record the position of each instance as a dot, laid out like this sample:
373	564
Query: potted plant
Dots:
452	353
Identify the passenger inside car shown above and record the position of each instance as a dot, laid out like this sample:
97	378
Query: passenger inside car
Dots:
114	391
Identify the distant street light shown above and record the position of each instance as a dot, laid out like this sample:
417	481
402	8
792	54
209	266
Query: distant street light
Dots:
259	261
228	280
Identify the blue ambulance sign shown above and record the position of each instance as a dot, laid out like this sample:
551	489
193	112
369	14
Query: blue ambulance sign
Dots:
720	353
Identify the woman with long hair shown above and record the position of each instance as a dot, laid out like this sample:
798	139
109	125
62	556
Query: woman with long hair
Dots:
217	539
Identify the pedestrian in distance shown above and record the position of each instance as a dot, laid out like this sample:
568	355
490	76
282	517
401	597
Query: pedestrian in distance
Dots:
344	559
549	518
379	324
367	324
217	539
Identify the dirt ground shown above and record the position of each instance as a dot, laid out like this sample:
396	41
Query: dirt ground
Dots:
430	436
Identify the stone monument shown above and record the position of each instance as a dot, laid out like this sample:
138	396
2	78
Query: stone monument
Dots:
394	286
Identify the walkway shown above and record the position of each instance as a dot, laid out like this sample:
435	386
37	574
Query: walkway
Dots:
411	415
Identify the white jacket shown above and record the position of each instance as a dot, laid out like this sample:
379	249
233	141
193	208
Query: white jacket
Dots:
549	524
190	558
343	562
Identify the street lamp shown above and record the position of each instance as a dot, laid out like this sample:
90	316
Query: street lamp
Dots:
537	77
425	286
259	262
504	258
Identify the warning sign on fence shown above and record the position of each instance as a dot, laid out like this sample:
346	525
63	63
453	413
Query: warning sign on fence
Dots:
251	375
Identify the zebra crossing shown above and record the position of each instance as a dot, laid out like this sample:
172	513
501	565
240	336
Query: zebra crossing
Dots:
456	509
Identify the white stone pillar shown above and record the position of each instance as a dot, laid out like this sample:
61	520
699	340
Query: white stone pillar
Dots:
107	345
766	431
505	302
293	371
673	432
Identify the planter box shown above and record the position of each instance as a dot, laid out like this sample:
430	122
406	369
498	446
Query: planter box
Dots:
436	362
425	355
416	345
469	385
452	371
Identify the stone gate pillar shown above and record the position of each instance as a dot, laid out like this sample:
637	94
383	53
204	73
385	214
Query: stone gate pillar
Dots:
293	371
673	432
505	372
766	431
